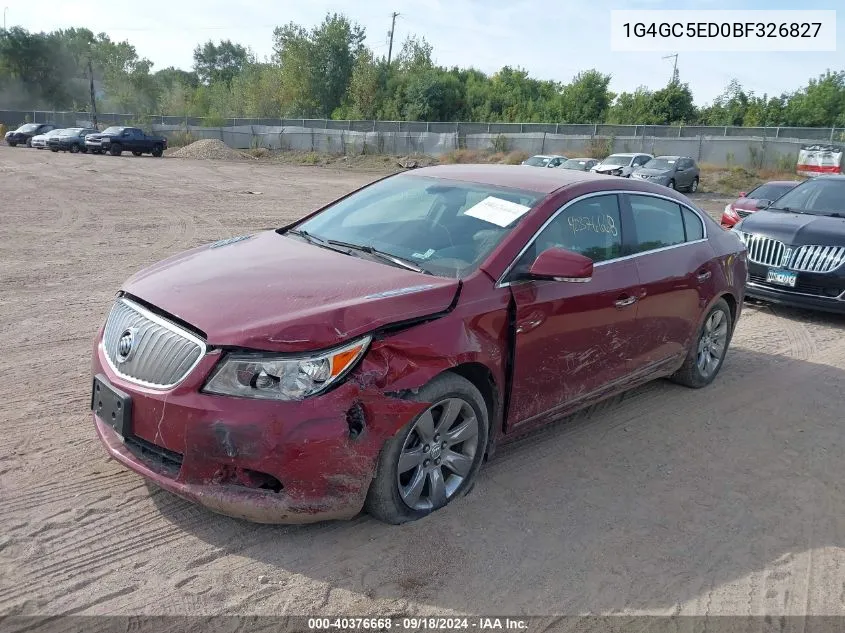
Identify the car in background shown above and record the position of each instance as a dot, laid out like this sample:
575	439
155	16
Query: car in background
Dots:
39	141
483	301
118	139
580	164
71	139
23	135
796	246
621	164
676	172
544	160
758	198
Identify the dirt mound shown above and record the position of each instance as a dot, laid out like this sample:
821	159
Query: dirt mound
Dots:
211	148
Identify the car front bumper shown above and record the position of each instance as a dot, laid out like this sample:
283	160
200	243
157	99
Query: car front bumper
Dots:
756	290
218	450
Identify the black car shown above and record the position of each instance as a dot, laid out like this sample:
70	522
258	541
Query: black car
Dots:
23	135
70	140
117	139
796	247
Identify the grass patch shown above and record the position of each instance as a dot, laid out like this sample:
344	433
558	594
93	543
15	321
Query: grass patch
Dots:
730	181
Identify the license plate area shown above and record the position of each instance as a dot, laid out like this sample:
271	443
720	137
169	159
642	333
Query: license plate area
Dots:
111	405
781	277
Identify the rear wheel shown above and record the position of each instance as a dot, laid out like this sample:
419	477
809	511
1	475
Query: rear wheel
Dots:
74	148
116	150
435	457
707	353
157	150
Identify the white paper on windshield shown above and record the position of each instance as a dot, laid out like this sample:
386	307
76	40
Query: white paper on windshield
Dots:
497	211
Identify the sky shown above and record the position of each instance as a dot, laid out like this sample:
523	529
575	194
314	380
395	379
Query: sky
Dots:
551	39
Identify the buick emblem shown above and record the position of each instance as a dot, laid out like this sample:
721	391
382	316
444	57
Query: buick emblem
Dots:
125	345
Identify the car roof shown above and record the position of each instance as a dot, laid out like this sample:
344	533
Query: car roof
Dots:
826	177
585	158
780	182
672	157
511	176
547	156
629	154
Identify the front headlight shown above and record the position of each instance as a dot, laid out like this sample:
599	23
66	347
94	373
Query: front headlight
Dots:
283	377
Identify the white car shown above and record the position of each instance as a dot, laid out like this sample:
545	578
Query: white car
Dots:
621	164
40	141
545	160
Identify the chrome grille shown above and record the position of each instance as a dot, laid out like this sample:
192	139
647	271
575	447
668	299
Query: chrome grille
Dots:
817	259
765	250
162	353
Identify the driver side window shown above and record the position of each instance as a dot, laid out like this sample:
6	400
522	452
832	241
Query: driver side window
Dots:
591	227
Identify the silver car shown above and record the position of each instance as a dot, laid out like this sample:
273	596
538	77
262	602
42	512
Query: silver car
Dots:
621	164
545	160
675	172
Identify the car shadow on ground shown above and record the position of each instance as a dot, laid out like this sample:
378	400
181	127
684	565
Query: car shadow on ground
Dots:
659	498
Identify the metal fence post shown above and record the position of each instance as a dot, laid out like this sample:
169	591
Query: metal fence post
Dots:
543	145
777	132
832	130
700	139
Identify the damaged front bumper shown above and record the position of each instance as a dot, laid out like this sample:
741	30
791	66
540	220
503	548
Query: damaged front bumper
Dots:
264	461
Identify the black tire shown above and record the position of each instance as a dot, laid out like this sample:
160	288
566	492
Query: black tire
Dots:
690	374
157	151
116	149
13	143
694	186
671	185
29	142
74	148
137	153
53	149
384	501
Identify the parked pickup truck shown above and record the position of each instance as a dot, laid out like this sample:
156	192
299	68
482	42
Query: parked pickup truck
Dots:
117	139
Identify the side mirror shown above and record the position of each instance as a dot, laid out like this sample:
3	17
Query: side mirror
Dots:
560	264
742	194
764	204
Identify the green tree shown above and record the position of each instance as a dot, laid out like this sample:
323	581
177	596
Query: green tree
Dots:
587	99
220	62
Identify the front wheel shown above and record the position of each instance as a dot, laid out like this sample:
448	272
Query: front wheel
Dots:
694	186
707	353
116	150
74	149
435	457
29	142
157	151
12	143
671	184
53	149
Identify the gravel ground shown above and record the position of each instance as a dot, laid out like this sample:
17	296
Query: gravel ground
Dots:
727	500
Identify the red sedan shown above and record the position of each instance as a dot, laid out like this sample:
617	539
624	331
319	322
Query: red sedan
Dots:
756	199
373	354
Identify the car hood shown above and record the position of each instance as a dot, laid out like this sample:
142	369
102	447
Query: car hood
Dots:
746	204
608	167
796	229
652	172
277	293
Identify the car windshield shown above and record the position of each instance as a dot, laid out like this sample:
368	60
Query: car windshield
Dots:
575	163
770	191
820	196
54	133
443	227
538	161
113	130
616	160
660	163
70	131
28	127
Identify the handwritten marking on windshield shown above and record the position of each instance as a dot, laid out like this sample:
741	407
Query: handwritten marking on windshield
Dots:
596	224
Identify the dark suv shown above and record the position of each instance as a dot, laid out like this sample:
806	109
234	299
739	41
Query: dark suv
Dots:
23	135
70	140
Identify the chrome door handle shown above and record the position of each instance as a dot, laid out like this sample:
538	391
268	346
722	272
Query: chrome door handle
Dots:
704	276
621	303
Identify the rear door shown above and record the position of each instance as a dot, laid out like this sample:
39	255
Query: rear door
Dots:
676	267
573	339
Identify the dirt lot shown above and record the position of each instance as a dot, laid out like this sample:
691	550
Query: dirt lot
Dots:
727	500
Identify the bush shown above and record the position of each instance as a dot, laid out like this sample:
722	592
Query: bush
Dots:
515	158
500	143
3	129
180	139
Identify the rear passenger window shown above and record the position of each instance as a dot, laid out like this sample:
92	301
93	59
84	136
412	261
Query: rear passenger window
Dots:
693	225
658	223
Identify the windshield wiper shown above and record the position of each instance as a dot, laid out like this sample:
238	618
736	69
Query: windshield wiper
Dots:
370	250
313	239
786	209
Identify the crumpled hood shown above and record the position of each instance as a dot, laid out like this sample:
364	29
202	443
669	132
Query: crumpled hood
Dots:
652	172
603	168
796	229
277	293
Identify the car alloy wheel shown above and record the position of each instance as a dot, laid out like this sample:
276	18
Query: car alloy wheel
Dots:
438	454
712	343
694	186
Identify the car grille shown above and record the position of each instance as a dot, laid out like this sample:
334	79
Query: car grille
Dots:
817	259
162	353
764	250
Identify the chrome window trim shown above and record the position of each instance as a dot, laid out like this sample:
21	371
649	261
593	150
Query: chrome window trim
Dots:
179	331
500	283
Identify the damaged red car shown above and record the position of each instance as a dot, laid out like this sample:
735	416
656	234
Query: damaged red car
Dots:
372	355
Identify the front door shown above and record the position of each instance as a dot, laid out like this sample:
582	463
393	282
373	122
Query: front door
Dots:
573	339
